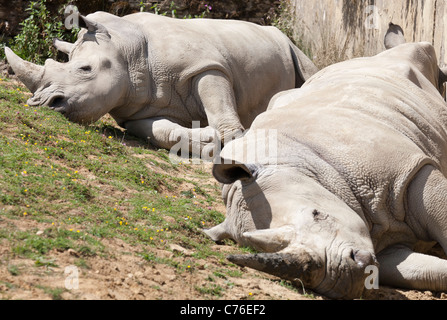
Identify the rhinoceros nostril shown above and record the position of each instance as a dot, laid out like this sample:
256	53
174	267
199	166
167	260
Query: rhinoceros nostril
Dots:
352	255
362	257
56	102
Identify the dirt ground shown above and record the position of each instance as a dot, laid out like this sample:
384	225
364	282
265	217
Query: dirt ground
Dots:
124	275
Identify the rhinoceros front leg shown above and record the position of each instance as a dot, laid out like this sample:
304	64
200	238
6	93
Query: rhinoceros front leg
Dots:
401	267
427	216
169	135
216	93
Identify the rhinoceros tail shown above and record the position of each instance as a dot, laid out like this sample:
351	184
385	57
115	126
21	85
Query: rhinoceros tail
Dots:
304	67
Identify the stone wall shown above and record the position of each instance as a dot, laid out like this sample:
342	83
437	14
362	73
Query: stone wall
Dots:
12	12
336	30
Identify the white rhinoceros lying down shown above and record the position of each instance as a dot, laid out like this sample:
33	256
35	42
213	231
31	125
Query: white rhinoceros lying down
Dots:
156	75
358	178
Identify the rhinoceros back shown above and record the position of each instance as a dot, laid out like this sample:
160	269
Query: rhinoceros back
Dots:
255	59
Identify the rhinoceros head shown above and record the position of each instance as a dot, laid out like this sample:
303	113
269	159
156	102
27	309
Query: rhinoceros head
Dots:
304	232
92	83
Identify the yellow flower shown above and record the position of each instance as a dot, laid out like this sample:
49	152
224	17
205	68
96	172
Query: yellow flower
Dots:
25	213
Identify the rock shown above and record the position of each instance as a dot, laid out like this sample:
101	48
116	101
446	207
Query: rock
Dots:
177	248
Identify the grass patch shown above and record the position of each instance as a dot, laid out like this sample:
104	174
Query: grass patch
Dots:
75	190
83	185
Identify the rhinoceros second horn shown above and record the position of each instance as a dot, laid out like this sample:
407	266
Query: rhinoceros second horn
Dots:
63	46
29	73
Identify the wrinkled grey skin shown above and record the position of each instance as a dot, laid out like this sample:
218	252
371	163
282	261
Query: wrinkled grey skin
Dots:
155	75
357	179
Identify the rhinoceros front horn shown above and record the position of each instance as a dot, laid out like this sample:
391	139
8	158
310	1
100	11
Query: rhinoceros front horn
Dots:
29	73
290	266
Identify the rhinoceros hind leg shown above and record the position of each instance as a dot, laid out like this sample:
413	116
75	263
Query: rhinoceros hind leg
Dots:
404	268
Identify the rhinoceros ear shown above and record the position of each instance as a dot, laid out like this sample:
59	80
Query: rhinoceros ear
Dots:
94	27
394	36
228	173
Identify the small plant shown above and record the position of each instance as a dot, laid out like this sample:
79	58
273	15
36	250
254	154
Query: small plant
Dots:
35	41
173	11
284	19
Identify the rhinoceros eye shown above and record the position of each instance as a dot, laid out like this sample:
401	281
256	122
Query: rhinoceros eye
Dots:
318	215
86	68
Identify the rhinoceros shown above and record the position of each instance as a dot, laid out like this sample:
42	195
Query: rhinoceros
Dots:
155	75
356	186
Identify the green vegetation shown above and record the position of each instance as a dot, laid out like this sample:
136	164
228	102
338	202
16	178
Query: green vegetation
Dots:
35	41
172	11
72	189
78	185
284	19
85	184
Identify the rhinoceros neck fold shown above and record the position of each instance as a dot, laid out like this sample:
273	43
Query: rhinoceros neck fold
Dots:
134	50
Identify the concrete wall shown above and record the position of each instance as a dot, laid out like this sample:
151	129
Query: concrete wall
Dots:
337	30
